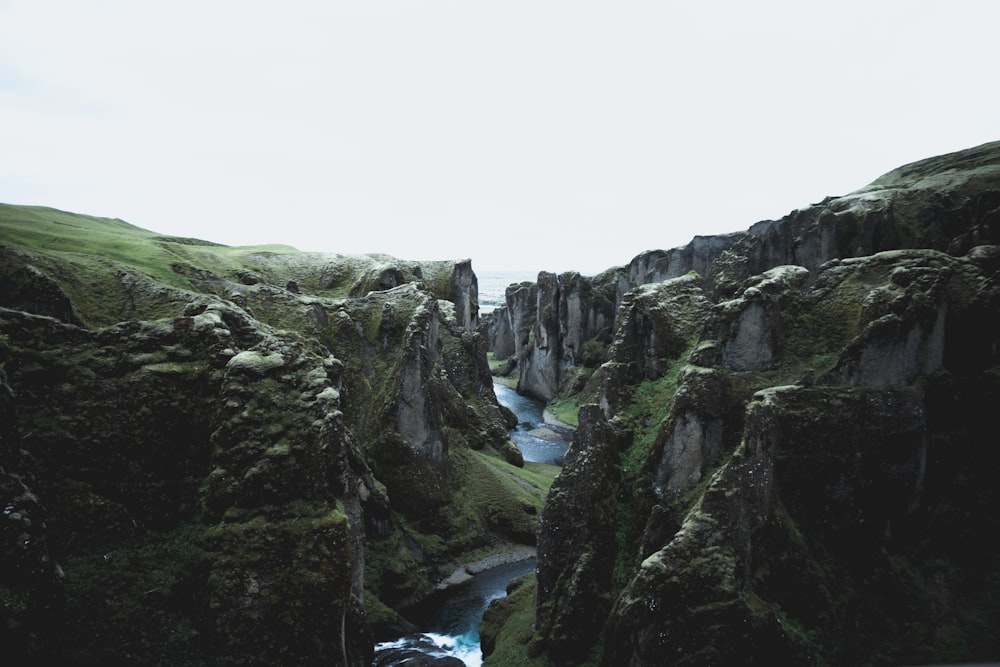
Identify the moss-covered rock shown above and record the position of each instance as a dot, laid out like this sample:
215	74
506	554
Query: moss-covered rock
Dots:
247	455
507	635
804	524
577	540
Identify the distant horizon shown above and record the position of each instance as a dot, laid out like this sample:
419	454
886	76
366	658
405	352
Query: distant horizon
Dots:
479	271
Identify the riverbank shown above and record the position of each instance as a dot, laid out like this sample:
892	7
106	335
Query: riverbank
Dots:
466	571
549	418
547	415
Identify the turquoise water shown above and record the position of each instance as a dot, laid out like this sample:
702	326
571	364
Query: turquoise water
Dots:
451	620
549	449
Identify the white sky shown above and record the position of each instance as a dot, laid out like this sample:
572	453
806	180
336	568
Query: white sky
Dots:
525	135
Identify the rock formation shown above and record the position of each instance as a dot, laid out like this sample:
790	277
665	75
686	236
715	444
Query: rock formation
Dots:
785	451
787	457
231	456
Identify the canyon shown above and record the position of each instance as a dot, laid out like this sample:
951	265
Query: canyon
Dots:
785	446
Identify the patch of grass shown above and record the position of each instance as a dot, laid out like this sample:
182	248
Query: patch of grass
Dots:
566	410
495	504
59	233
651	404
92	259
506	497
819	330
495	363
508	628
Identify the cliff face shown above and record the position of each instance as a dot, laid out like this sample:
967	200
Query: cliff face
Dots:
946	203
549	327
233	456
788	456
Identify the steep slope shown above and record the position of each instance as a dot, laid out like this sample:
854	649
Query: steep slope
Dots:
220	455
787	456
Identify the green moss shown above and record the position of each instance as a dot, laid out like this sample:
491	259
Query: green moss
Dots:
623	568
507	631
651	404
821	327
97	249
492	504
394	570
494	363
593	353
501	497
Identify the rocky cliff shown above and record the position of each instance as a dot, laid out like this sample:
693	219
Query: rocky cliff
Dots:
218	455
787	456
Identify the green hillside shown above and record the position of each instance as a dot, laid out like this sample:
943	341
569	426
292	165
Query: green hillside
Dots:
110	270
73	237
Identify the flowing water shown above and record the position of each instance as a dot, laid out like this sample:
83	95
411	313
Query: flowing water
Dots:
539	442
450	620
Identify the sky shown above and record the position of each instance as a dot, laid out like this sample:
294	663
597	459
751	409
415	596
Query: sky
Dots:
543	135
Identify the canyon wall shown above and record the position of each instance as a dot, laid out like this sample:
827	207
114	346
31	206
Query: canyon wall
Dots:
227	456
786	456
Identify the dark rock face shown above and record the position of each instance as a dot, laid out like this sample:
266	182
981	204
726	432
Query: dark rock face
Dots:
849	465
574	598
540	368
952	210
789	455
499	333
551	334
216	474
169	483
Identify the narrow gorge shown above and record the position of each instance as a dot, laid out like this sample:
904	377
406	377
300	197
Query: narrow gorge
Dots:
784	445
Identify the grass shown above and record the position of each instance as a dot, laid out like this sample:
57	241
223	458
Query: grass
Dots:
509	622
651	403
495	505
566	410
500	491
494	362
69	235
88	257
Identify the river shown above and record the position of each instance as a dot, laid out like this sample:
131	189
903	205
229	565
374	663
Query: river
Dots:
539	442
450	620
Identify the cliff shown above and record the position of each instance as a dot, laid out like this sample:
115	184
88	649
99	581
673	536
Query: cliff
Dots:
787	454
946	203
216	455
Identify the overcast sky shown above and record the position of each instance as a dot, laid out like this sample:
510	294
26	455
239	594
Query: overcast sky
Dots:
525	135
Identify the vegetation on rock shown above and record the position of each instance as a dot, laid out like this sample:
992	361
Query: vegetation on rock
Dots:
231	455
774	487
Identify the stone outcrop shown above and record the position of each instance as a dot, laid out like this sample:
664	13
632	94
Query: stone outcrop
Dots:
948	203
575	599
799	477
843	466
551	323
229	456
